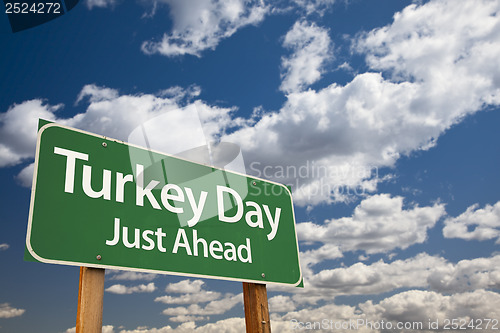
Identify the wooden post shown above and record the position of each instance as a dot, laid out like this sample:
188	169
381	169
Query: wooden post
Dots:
256	308
90	295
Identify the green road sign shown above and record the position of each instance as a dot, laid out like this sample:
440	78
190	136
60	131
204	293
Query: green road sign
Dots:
100	202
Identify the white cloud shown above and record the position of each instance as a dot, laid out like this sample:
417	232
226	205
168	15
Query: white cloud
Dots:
192	293
422	271
115	116
216	307
281	303
199	297
229	325
200	25
105	329
439	41
7	311
422	306
18	128
315	6
25	177
379	224
442	64
108	329
4	246
96	94
289	322
376	278
475	224
340	135
130	276
310	258
122	290
185	287
178	93
413	307
311	50
325	252
100	3
187	318
479	273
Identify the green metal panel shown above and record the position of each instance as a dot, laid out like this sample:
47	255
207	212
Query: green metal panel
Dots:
74	224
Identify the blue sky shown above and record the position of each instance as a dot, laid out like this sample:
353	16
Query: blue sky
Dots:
393	103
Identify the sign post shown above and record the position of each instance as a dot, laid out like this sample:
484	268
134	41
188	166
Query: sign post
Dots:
256	308
90	296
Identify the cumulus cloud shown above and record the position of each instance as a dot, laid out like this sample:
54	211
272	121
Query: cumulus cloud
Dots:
311	50
130	276
25	177
7	311
96	94
479	273
281	303
107	114
434	65
475	224
325	252
412	307
315	6
105	329
199	297
179	93
441	35
379	224
310	258
422	271
197	312
229	325
201	25
122	290
336	313
378	277
192	293
422	306
328	144
116	116
18	130
185	286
